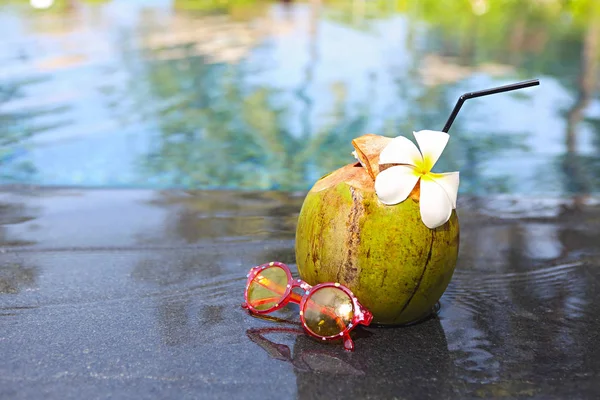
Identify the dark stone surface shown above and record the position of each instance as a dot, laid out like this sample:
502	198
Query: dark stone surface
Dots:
136	294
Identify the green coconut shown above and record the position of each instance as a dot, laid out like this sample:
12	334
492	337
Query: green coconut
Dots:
395	265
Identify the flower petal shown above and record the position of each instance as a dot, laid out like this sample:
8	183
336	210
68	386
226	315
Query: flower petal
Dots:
432	144
449	181
395	184
400	151
436	206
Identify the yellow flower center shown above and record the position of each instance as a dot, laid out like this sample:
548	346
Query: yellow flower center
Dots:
423	167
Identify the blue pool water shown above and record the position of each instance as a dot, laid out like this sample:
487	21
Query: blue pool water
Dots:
267	95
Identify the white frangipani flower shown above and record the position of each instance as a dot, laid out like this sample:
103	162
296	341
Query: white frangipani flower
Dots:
438	191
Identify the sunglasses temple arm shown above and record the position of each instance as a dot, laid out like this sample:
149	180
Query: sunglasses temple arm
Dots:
295	297
272	286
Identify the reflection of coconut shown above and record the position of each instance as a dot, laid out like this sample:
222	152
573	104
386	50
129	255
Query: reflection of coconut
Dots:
394	264
390	363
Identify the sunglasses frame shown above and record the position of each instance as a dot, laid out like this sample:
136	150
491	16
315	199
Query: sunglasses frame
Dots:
360	315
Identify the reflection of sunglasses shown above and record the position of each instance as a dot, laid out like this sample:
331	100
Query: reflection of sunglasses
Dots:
328	311
323	361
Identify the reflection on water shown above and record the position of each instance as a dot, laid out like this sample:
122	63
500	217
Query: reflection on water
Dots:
385	363
260	95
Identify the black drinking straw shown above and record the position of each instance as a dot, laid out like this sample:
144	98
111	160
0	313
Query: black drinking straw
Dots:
471	95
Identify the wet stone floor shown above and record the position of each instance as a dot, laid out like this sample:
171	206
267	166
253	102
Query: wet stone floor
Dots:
136	294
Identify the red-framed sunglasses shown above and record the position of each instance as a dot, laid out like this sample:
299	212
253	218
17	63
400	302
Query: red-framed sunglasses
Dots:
328	311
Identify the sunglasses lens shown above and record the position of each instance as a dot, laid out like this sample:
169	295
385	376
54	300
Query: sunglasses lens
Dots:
328	311
268	288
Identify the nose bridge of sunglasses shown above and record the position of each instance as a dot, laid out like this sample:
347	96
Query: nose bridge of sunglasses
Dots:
298	289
